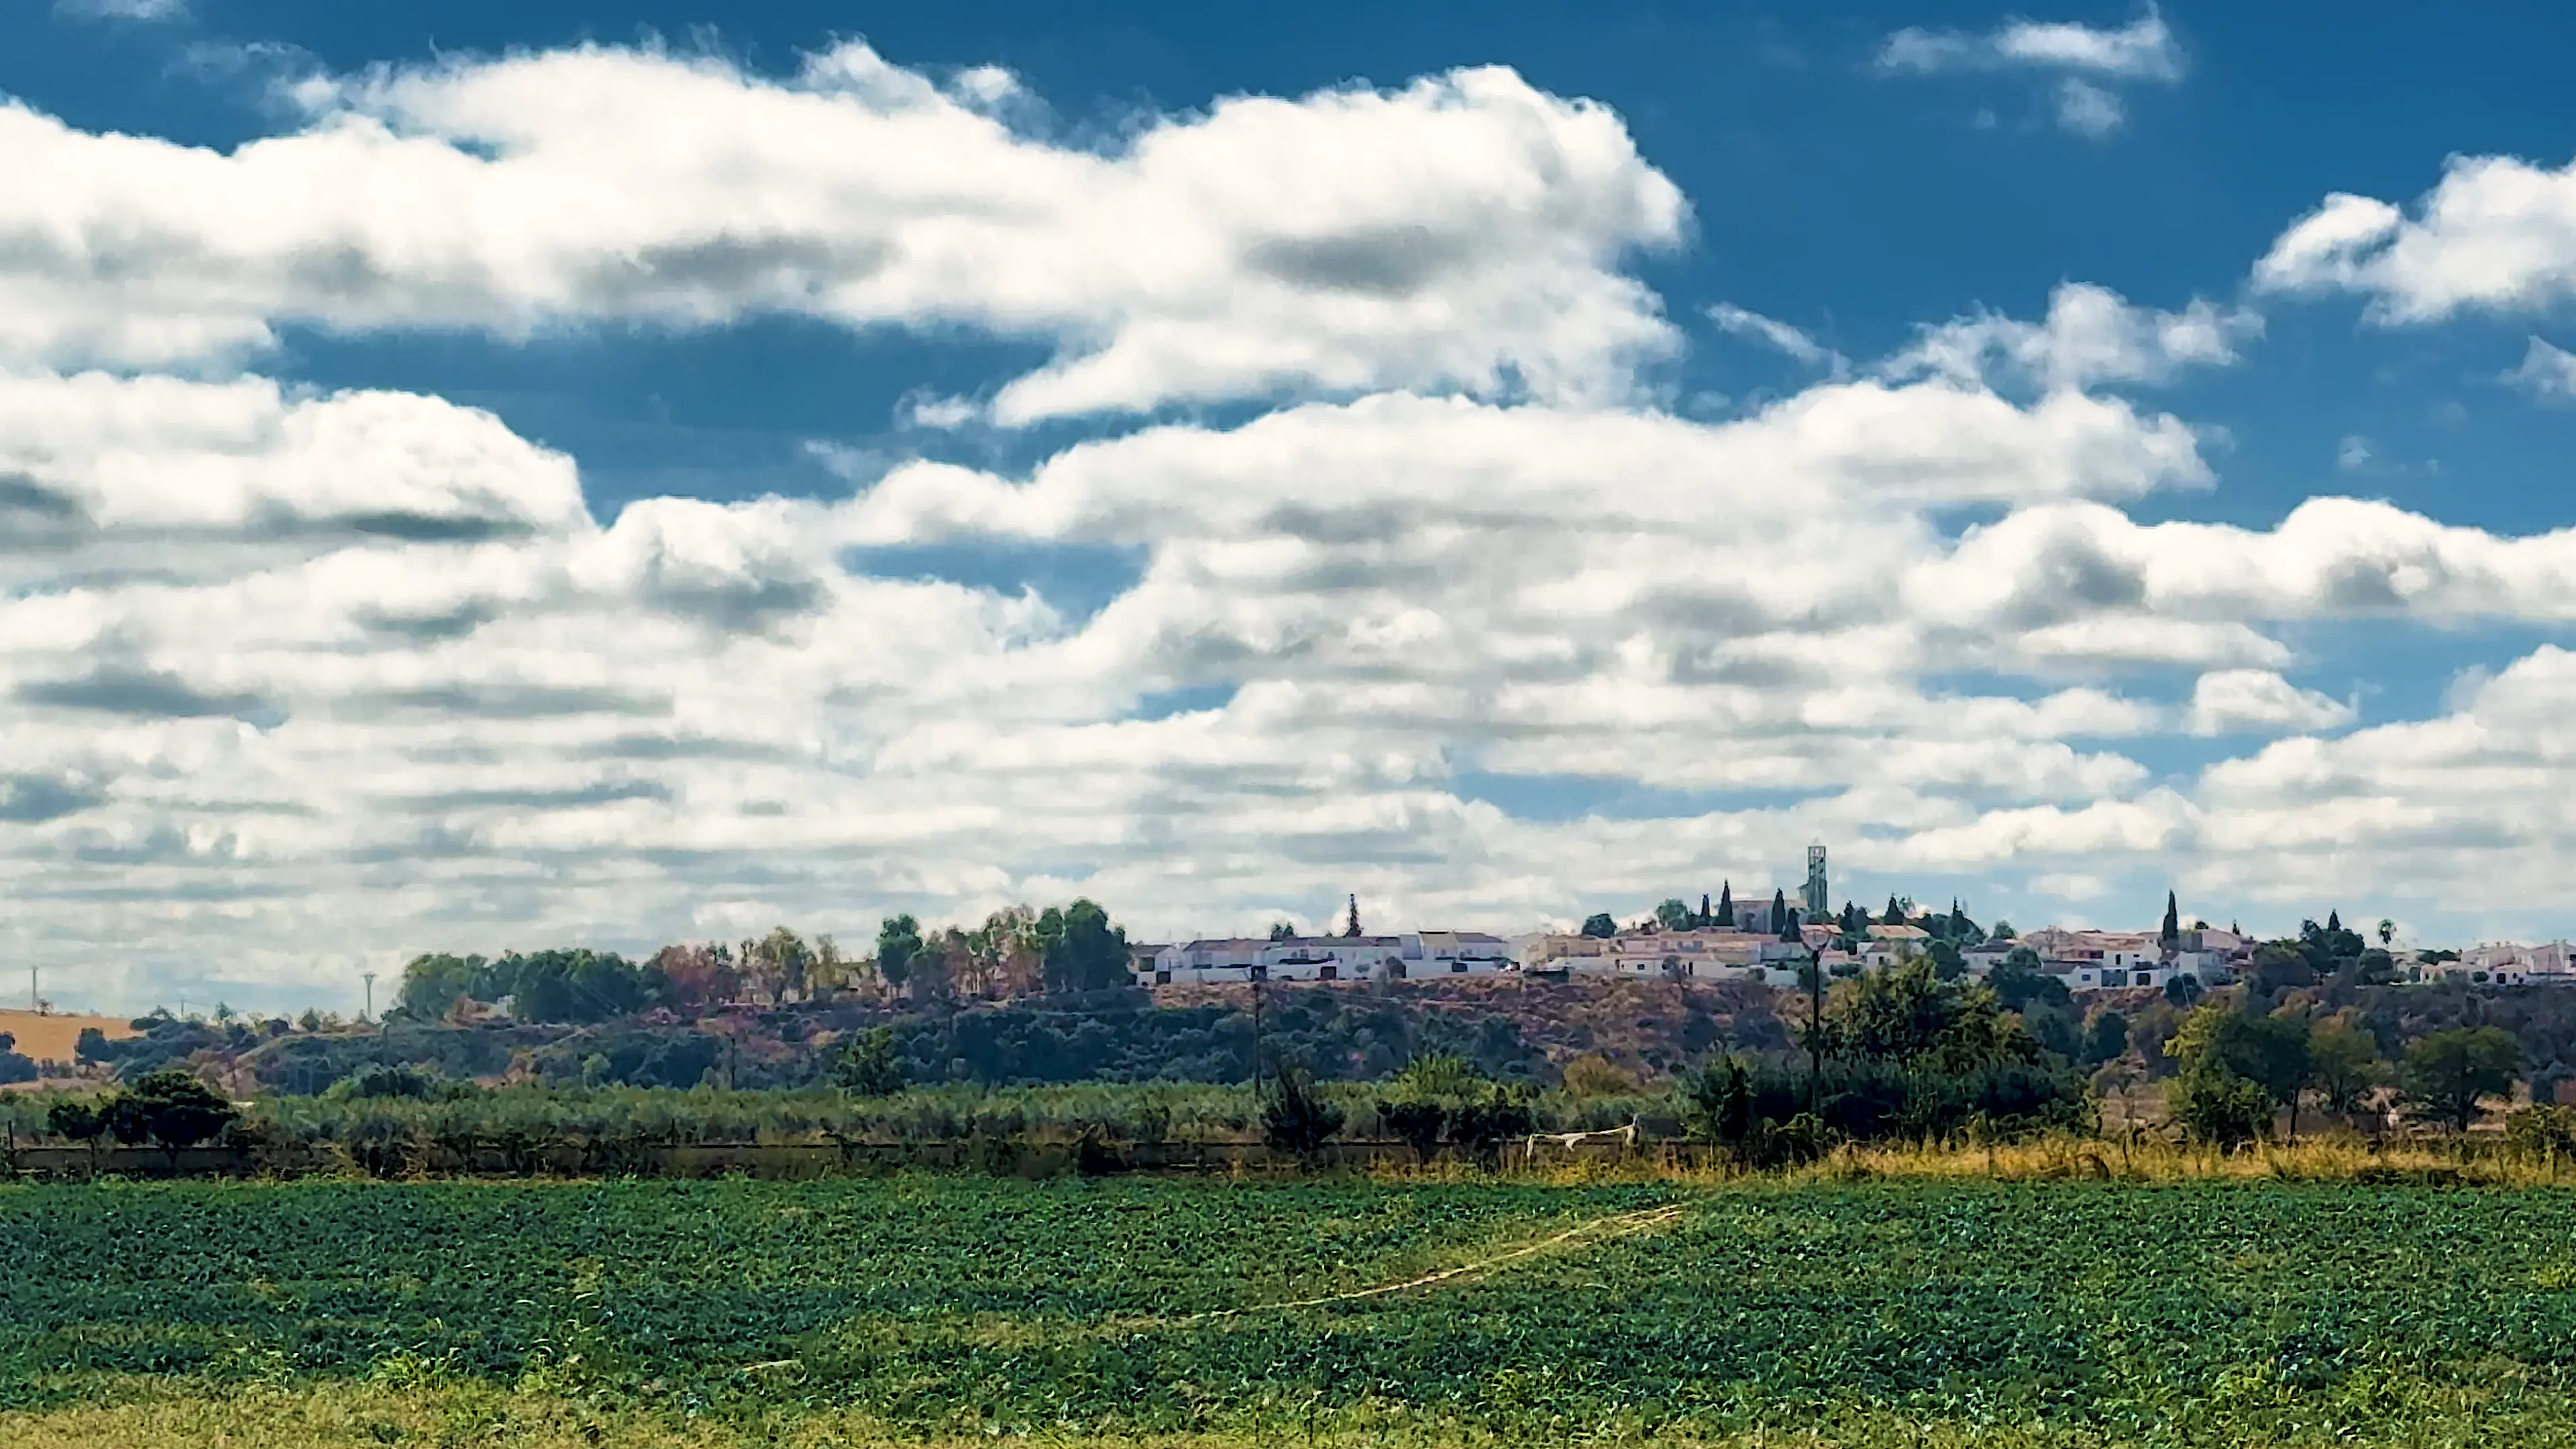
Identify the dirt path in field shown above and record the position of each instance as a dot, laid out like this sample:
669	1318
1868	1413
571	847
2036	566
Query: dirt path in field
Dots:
1615	1226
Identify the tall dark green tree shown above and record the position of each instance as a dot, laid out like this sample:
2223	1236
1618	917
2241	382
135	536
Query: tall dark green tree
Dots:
1705	919
2172	932
898	944
1779	913
1895	913
1089	954
1726	903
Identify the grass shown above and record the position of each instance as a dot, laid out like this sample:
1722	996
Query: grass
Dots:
1898	1298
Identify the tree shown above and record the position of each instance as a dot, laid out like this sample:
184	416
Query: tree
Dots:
78	1122
2217	1107
2387	932
1705	919
169	1108
1295	1117
1726	904
1673	915
1906	1016
1946	961
2003	931
1599	926
1419	1122
2107	1039
1351	928
2447	1074
2172	932
1087	953
868	1065
1780	913
1282	931
2272	1052
1895	913
1854	920
2344	1066
898	945
2182	989
2018	980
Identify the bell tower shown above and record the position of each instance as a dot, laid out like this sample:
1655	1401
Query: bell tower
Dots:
1817	896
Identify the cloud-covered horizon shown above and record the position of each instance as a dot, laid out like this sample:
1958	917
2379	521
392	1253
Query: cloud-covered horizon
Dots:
1399	523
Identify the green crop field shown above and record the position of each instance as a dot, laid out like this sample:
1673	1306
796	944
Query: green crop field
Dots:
958	1308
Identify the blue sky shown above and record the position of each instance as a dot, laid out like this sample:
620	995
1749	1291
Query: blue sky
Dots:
923	605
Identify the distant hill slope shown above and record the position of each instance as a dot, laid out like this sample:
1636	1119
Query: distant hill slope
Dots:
51	1037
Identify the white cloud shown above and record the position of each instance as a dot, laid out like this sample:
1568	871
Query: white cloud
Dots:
2087	109
2546	371
2089	61
2142	50
1737	322
2353	453
124	9
1462	232
2238	701
2497	234
298	676
2090	337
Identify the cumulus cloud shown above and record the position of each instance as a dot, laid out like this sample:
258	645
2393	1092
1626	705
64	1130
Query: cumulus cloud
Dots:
290	672
1462	232
2497	234
2090	337
2088	61
2236	701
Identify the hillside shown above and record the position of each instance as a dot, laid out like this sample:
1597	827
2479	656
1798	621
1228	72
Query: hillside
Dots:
52	1036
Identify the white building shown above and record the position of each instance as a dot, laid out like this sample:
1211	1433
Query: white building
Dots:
1235	960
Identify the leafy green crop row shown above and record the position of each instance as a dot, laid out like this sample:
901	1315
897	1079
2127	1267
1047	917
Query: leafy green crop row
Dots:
956	1304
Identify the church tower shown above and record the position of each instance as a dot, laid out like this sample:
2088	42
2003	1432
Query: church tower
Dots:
1817	895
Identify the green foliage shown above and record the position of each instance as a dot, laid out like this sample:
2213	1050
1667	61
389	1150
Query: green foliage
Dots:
1909	1016
544	986
375	1083
2106	1039
2446	1075
898	943
1674	915
170	1109
1082	951
2216	1107
2046	1316
1295	1116
1442	1097
868	1066
1600	926
2017	981
2345	1065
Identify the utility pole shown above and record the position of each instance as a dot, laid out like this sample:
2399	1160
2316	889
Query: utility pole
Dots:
1255	984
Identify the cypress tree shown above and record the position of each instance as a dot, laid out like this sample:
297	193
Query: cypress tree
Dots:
1705	919
1780	913
2173	920
1726	904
